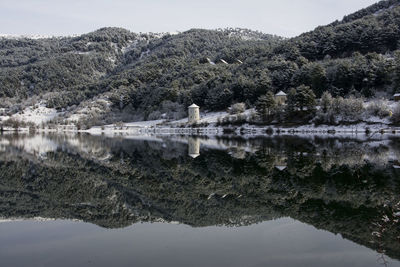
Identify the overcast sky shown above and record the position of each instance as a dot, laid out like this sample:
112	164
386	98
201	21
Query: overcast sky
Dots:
65	17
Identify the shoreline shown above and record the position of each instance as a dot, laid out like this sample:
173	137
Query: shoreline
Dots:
239	130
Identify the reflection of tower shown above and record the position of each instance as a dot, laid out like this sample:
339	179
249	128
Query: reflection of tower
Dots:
194	147
280	163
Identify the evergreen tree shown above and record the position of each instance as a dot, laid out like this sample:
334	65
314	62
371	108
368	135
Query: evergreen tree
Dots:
305	98
291	102
318	79
266	104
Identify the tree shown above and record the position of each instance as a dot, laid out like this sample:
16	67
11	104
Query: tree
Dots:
318	79
326	101
263	83
396	72
218	98
291	102
237	108
266	104
314	75
305	98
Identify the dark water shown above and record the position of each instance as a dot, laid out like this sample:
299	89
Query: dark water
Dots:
85	200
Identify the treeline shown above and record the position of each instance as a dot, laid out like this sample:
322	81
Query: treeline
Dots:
301	107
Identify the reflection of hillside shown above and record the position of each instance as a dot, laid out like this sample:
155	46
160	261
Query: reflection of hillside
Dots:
157	181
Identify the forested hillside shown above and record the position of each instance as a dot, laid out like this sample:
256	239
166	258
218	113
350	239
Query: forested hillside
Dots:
142	73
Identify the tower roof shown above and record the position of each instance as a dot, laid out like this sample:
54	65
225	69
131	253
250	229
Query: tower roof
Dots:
194	106
280	93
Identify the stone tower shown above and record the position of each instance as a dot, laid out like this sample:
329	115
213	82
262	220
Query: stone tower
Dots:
194	113
281	98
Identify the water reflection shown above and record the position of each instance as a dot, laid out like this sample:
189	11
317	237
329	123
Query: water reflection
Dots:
346	186
194	147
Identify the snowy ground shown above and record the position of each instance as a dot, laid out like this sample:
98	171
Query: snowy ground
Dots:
144	124
211	117
38	114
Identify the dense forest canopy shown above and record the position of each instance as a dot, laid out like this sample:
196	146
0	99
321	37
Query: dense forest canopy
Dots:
215	68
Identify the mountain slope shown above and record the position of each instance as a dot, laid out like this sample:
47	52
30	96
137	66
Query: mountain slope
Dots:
144	73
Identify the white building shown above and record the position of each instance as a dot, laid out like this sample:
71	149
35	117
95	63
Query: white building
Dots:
194	113
280	98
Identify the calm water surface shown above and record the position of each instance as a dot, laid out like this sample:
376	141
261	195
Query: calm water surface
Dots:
83	200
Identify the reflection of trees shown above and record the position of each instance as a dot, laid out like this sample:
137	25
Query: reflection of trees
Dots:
395	146
385	230
300	164
150	181
265	158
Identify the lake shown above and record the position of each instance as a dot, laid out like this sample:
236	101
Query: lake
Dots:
83	200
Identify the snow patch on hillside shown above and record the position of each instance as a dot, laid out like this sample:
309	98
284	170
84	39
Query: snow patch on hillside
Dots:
37	114
129	47
89	109
33	36
82	53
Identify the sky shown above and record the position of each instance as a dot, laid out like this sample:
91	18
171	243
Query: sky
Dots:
286	18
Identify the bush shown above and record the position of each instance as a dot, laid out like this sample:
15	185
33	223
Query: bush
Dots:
155	115
227	120
32	127
13	123
325	118
78	125
336	106
396	115
349	109
242	118
254	117
120	125
326	101
201	125
237	108
86	122
339	109
378	108
352	108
